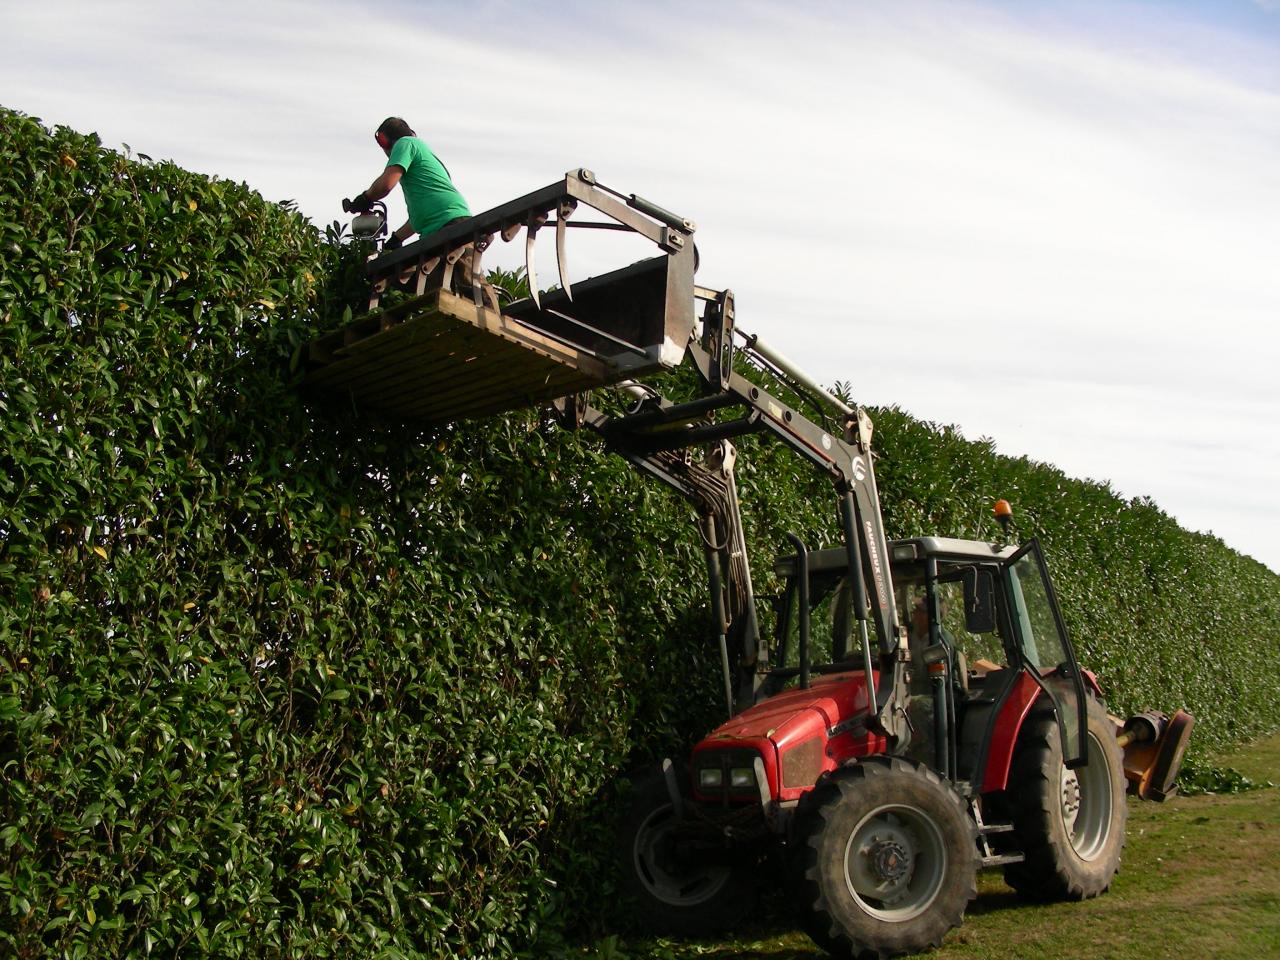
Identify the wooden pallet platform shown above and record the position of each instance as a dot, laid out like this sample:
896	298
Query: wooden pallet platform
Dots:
440	358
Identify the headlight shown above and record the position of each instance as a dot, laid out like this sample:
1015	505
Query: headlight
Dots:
728	774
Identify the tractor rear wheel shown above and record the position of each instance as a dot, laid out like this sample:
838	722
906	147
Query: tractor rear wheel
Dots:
886	860
1069	824
678	886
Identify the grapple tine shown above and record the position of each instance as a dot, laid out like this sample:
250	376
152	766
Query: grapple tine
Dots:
425	269
561	263
446	276
477	291
530	273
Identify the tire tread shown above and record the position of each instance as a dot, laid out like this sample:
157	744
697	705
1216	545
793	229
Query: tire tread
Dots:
1048	871
819	916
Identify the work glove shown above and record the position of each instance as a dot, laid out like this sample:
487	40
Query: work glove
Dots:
358	204
392	243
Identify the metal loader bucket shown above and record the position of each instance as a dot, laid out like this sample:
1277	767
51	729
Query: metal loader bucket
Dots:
444	356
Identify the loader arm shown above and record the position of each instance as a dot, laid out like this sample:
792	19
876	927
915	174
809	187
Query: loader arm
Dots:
658	437
449	353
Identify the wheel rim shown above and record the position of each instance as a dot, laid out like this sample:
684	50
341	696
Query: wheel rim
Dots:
664	872
894	862
1086	803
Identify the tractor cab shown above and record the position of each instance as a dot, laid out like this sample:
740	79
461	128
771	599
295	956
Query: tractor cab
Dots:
985	643
980	624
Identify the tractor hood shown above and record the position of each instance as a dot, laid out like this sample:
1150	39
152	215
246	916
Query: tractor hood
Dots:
798	734
798	714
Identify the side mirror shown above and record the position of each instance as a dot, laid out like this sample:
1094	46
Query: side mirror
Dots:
979	601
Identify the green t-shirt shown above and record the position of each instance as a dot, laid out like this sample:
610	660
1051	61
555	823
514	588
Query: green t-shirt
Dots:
429	194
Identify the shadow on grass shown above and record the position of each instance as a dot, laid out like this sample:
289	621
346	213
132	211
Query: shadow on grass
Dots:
995	901
775	933
780	952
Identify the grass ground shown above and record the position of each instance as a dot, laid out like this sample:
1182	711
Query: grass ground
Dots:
1200	879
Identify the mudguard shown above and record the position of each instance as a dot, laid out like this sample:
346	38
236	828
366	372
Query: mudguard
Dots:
1011	714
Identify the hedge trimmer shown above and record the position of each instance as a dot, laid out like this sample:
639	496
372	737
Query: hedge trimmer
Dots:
370	220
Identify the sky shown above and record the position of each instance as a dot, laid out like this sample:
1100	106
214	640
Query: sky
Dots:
1051	224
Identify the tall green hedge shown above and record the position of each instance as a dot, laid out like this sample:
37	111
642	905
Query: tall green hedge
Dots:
278	680
1165	617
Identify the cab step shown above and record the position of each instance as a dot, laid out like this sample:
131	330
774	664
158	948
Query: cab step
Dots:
999	860
989	828
986	830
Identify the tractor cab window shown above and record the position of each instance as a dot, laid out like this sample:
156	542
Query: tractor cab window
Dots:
1042	645
982	652
830	621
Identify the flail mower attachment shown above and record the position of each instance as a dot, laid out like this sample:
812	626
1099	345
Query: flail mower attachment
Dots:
1153	746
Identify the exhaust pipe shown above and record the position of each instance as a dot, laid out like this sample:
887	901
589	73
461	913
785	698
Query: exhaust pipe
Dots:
673	788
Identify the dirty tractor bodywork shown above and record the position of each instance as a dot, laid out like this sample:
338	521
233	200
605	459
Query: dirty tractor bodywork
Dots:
919	713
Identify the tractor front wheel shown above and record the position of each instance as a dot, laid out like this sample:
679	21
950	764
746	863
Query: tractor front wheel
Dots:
886	860
1069	824
678	886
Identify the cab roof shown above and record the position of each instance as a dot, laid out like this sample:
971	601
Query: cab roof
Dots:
904	551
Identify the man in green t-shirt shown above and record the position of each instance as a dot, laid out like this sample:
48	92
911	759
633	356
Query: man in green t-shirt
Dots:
429	193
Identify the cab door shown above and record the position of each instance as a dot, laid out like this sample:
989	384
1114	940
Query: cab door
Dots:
1044	647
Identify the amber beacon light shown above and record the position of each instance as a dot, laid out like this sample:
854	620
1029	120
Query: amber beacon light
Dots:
1004	514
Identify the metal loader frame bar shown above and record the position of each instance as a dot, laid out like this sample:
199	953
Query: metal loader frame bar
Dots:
641	319
658	437
420	260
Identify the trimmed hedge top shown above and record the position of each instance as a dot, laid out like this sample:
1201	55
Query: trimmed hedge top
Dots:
284	682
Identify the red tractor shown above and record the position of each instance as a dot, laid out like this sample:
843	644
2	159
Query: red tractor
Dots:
919	715
1011	761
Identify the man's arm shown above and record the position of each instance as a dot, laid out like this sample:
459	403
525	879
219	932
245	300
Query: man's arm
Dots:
385	183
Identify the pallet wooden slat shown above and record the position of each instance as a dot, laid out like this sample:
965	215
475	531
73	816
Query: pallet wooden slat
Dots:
441	358
462	377
432	358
